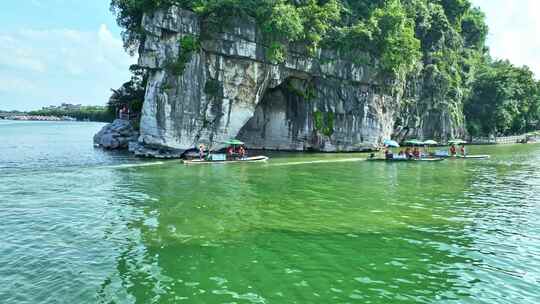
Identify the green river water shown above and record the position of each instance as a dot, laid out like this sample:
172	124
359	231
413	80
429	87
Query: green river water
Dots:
80	225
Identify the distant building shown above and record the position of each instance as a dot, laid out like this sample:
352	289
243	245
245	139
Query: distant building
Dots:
71	107
64	106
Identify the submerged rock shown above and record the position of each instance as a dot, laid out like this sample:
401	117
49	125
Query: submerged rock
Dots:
116	135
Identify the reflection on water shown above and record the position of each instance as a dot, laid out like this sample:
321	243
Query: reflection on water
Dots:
300	229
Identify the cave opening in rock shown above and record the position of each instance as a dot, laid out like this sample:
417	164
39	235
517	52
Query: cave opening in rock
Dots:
283	119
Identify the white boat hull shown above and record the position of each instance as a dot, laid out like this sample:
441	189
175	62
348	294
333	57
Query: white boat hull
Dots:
473	156
244	160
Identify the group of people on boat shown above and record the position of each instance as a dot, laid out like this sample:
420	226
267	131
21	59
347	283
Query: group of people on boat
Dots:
418	153
462	150
230	151
233	152
239	152
408	153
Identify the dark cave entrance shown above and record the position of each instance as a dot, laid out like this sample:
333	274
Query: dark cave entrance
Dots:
283	119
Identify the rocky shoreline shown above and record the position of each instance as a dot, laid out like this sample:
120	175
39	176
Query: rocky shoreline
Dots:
116	135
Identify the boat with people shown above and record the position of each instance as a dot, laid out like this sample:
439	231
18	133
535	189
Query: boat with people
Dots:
446	155
235	152
452	153
240	160
416	153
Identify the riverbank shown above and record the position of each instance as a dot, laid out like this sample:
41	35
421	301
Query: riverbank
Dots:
78	113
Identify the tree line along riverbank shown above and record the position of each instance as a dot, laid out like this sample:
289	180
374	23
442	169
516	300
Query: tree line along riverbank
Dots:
83	113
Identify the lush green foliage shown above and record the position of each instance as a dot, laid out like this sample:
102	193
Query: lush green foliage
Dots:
307	92
452	37
386	32
505	100
383	31
91	113
130	94
324	122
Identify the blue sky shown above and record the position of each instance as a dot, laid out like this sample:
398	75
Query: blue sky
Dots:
54	51
514	31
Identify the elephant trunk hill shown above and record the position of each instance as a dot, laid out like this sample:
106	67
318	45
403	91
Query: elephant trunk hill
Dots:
209	81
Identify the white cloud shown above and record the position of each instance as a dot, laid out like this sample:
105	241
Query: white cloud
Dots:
10	84
514	29
106	38
63	64
64	50
13	54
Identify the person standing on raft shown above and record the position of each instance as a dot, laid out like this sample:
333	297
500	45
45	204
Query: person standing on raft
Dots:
242	152
201	151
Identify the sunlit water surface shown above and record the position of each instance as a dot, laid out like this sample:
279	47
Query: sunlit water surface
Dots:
79	225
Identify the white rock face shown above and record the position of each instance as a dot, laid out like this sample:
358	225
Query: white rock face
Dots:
230	89
116	135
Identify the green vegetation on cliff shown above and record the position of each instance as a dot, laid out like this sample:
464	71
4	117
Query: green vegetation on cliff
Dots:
187	46
433	51
130	95
324	122
382	29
